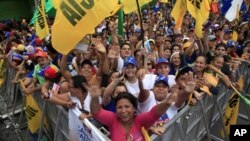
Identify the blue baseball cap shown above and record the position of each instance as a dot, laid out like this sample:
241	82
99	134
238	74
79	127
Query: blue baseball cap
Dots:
161	61
130	60
138	30
161	78
17	57
228	31
231	43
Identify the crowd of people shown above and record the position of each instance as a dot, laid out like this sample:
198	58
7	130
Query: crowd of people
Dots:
106	80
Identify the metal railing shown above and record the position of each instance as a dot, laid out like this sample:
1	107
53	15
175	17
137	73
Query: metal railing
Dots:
204	121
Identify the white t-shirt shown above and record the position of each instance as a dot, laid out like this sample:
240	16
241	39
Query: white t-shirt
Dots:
120	64
75	125
133	88
151	102
171	80
86	105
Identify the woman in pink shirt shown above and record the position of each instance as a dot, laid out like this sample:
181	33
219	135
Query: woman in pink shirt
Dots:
125	125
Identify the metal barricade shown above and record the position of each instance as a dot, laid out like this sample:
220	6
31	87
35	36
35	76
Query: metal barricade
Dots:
244	114
204	121
12	103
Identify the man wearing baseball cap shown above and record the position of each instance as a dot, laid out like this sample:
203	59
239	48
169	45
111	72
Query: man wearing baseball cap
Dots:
147	99
43	63
228	34
231	48
162	68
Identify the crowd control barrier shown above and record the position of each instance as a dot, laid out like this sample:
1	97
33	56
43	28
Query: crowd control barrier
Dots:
203	121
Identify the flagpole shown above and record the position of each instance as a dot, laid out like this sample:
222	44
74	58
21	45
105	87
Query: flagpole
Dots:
35	1
144	58
142	30
213	68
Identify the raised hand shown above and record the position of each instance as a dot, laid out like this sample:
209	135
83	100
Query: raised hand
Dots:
95	91
190	83
175	89
171	99
114	52
119	77
140	74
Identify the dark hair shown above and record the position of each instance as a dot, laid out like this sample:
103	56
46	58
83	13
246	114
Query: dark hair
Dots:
218	56
29	66
50	48
114	71
126	95
78	81
183	71
175	44
125	44
136	51
57	78
121	85
86	61
221	45
203	56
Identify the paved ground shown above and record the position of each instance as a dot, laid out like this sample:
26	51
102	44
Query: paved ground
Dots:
9	133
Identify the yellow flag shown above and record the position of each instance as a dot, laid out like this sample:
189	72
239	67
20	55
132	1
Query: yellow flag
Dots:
75	19
232	108
199	9
164	1
33	113
178	12
2	68
235	36
231	112
56	3
42	29
130	5
211	79
206	90
145	134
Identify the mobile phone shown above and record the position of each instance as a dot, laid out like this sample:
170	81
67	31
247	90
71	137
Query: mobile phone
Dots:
104	131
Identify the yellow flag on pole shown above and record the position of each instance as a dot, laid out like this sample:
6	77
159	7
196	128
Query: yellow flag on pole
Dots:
164	1
232	108
178	12
199	9
42	29
56	3
211	79
33	112
75	19
130	5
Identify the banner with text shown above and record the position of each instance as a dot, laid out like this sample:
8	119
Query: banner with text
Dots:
75	19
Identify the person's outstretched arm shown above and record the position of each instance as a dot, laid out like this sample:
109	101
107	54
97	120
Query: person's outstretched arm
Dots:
110	90
63	65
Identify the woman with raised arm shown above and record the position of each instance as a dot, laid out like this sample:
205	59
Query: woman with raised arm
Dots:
125	125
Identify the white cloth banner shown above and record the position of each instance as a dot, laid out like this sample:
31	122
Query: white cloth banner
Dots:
82	131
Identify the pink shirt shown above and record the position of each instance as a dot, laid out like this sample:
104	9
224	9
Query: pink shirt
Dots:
118	133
